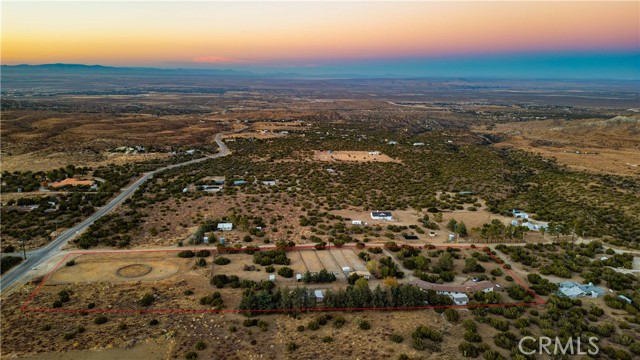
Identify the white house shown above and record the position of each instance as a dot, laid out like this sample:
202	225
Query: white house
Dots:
319	295
269	182
211	188
518	214
381	215
393	142
418	144
374	152
356	222
225	226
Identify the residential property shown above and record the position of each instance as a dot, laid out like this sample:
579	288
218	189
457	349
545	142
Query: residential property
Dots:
269	182
212	188
356	222
418	144
536	225
458	293
447	289
518	214
410	237
239	182
225	226
374	152
381	215
574	290
319	295
530	224
392	142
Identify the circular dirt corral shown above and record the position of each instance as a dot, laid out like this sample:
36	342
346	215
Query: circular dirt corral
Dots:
133	270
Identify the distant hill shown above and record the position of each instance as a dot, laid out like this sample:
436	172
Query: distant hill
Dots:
97	69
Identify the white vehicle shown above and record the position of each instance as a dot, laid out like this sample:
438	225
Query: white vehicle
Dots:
432	233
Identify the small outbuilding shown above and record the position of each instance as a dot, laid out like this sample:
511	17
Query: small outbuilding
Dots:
460	298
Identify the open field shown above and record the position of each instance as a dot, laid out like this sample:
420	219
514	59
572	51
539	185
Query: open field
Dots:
107	268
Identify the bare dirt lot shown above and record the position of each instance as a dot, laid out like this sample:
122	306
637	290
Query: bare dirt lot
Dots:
357	156
113	268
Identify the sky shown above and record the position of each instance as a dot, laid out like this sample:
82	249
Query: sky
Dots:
541	39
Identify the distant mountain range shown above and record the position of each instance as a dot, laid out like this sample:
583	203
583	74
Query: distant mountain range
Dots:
60	67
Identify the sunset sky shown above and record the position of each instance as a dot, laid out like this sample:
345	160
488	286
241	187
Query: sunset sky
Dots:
439	38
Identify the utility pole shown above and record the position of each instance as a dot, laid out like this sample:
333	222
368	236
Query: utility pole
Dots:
24	253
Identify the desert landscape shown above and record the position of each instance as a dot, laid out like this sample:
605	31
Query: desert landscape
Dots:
320	180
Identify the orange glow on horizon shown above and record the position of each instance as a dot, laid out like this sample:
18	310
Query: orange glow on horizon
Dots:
142	33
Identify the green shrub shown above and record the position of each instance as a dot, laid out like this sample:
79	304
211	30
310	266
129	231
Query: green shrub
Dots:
201	262
339	322
364	325
285	272
146	300
222	261
327	339
203	253
100	320
214	300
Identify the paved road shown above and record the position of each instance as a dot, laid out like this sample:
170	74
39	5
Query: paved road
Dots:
43	254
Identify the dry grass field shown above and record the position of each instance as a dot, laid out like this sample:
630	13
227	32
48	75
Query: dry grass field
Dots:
605	146
42	140
357	156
